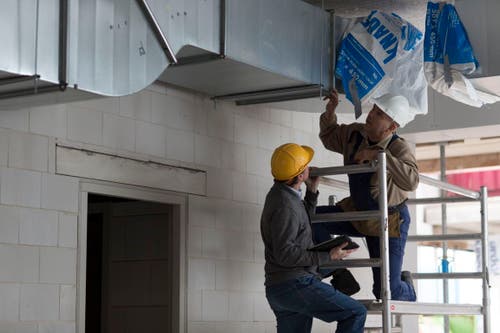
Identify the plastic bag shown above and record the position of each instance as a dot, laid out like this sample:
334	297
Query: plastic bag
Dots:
448	56
380	54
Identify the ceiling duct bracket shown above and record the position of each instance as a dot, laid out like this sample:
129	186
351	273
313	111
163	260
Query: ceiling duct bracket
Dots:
274	95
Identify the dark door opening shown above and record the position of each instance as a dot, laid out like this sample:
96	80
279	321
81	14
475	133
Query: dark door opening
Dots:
129	266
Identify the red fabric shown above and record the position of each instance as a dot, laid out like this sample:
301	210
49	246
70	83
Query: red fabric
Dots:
474	181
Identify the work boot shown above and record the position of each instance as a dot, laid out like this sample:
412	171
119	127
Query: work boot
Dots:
406	277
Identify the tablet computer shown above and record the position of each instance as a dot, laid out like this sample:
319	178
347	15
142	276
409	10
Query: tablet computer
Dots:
334	242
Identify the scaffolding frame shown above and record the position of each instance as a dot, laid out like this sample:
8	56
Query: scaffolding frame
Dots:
386	306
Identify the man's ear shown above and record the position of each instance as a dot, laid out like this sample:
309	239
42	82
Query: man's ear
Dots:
301	176
394	126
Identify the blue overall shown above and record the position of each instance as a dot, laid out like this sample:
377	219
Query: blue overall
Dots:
363	200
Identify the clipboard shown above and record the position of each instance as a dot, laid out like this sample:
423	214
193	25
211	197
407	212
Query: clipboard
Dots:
334	242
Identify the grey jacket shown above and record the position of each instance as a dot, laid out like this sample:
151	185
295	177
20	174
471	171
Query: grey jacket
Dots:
286	231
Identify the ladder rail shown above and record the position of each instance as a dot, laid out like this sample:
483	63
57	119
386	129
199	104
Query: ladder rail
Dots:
388	307
385	291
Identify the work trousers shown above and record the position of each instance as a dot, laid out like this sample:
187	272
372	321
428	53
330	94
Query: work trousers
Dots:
296	302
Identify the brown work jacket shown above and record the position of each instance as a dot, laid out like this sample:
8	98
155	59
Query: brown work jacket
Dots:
402	169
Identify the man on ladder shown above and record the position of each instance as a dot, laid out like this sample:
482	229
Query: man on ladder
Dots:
293	284
360	143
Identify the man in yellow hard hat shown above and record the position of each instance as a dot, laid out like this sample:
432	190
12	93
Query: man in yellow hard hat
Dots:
293	284
360	143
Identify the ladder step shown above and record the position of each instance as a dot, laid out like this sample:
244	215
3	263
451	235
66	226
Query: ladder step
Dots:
349	216
439	200
430	238
436	276
401	307
380	330
354	263
340	170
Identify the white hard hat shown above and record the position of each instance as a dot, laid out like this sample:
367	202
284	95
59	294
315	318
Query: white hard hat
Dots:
396	107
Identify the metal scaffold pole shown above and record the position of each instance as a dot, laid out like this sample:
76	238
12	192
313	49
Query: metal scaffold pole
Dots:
444	231
485	260
385	291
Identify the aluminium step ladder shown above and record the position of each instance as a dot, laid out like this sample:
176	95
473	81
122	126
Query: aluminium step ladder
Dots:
387	307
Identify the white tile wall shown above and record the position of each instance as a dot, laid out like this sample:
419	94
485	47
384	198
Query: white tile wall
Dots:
19	263
20	187
218	184
228	215
240	246
233	156
215	305
220	122
57	265
255	158
194	306
38	227
241	306
201	274
118	132
263	186
39	302
4	146
215	244
253	328
228	275
207	151
201	211
194	242
60	192
302	121
106	104
51	120
9	302
253	277
150	138
174	112
251	217
228	327
16	119
68	230
270	136
201	327
261	309
9	224
57	327
259	255
180	145
137	106
67	301
244	187
281	117
84	125
18	327
246	130
28	151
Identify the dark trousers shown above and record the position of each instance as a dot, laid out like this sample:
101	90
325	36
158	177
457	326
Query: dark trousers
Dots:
296	302
400	290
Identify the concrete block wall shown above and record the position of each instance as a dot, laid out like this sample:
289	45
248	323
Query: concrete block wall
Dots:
38	208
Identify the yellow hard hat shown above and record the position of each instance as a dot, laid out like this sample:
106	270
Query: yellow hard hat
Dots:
290	160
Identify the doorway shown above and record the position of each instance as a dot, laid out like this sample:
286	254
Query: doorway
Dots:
133	263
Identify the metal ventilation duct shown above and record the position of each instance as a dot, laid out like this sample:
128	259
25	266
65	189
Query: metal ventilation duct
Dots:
114	47
481	21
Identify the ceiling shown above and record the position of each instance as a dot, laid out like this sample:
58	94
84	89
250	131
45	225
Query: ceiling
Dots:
411	10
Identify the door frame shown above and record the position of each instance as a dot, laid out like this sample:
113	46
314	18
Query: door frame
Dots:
179	233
